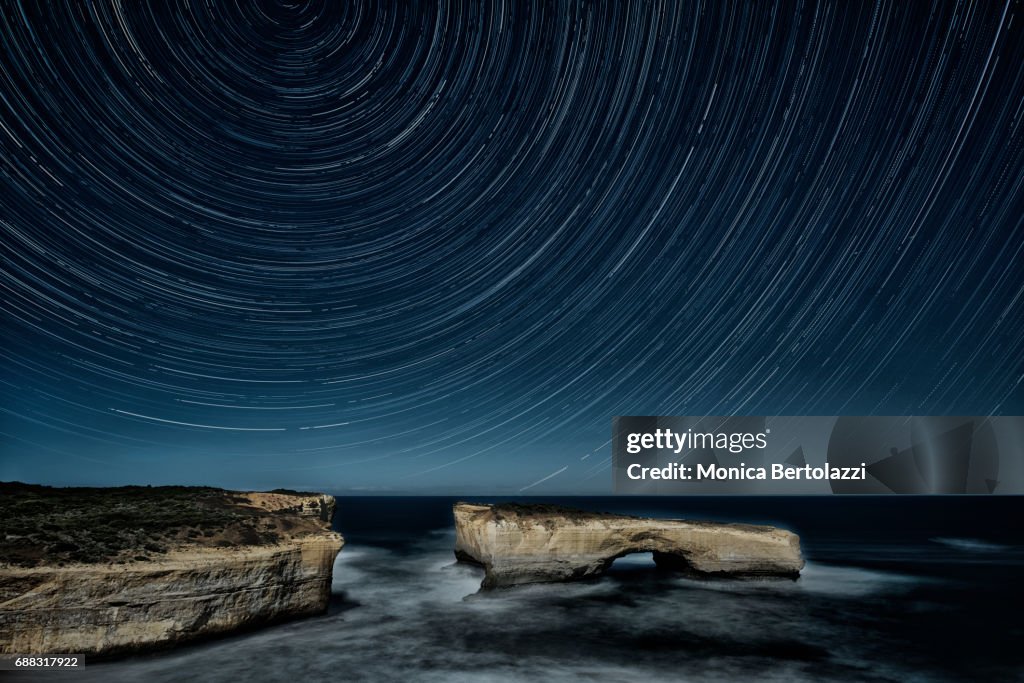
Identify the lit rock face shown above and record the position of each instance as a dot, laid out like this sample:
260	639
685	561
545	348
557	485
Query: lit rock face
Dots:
188	593
519	544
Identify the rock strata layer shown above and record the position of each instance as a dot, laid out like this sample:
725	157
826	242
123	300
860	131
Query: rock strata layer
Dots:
184	593
519	544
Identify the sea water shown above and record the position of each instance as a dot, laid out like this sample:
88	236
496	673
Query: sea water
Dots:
895	589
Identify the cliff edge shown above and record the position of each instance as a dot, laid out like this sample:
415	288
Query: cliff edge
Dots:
519	544
120	570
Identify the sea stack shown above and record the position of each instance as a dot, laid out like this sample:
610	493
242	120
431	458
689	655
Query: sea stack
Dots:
519	544
115	571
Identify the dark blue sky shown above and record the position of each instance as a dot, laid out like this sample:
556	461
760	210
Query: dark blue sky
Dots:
436	250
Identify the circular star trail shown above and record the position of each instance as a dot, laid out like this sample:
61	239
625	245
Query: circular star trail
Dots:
413	246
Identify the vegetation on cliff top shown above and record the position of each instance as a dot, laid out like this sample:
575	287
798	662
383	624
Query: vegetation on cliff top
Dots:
540	511
41	525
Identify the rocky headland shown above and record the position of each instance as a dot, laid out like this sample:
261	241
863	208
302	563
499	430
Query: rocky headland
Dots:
519	544
108	571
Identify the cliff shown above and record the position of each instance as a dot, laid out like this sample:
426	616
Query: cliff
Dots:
536	543
110	571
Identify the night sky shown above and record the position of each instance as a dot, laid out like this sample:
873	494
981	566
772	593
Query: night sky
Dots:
382	248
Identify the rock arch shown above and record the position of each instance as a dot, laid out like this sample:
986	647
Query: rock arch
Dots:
519	544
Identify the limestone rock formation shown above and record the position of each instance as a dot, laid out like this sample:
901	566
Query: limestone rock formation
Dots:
519	544
189	589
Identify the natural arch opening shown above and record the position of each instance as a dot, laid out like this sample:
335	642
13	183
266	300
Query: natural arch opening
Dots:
632	563
638	562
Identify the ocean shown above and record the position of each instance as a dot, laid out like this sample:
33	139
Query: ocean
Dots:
895	589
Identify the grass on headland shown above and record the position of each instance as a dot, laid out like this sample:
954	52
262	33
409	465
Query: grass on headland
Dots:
41	525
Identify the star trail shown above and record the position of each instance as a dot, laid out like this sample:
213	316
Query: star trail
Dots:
433	247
